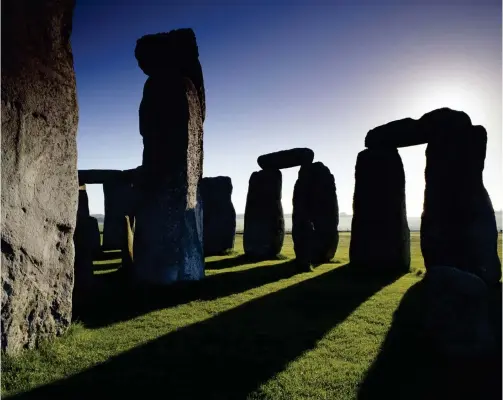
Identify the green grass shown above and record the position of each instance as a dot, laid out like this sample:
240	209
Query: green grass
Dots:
248	331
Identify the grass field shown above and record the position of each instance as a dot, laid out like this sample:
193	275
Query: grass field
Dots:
248	331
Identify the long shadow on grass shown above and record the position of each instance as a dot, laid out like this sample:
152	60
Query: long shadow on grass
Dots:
232	354
115	301
408	368
241	259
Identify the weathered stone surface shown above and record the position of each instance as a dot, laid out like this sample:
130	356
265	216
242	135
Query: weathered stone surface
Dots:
458	226
85	245
453	313
219	215
127	249
315	217
264	228
39	171
286	158
168	237
380	236
410	132
174	52
119	201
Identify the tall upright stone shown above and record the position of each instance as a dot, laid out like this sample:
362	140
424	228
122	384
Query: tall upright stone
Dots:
39	171
458	226
380	236
84	239
315	216
118	195
168	237
264	230
219	215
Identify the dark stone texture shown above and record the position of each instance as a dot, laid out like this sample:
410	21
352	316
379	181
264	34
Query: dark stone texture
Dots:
315	217
286	158
410	132
168	237
458	226
380	236
264	228
172	53
127	249
39	171
95	236
119	201
98	176
219	215
85	245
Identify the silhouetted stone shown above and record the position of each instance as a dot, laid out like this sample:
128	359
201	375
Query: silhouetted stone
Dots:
380	236
98	176
218	214
172	53
458	226
39	171
315	217
168	237
286	158
85	245
119	199
410	132
95	236
264	227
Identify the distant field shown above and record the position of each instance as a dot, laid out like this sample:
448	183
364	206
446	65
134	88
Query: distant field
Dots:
248	331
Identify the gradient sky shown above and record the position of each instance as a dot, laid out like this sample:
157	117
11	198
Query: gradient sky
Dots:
278	75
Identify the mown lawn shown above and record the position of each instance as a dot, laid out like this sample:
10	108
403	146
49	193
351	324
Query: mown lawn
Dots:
248	331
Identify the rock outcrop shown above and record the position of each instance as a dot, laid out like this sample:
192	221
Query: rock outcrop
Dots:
219	215
315	217
380	236
286	158
264	227
39	171
168	237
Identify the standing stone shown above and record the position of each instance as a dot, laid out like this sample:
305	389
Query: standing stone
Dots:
168	237
219	215
458	226
85	245
39	171
95	236
118	202
127	249
264	230
380	236
315	217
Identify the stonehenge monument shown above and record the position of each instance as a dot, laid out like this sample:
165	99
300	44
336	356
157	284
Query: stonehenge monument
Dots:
264	230
168	237
315	216
458	224
39	171
219	216
286	158
380	236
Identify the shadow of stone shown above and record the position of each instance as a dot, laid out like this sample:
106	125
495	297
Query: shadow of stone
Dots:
232	354
115	300
409	367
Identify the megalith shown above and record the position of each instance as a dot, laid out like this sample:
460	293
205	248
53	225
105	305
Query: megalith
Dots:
219	215
95	236
118	195
458	226
264	227
39	171
315	216
85	246
168	237
286	158
380	236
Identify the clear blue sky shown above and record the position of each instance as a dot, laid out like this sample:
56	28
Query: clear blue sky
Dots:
278	75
